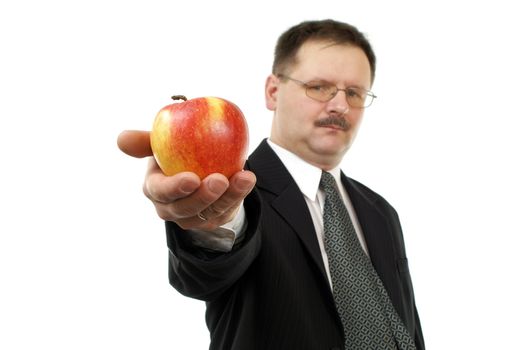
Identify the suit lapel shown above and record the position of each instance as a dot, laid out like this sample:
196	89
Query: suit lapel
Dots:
291	205
289	202
378	236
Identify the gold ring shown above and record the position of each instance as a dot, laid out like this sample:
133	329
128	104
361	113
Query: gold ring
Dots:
201	216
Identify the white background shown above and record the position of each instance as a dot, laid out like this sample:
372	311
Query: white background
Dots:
83	258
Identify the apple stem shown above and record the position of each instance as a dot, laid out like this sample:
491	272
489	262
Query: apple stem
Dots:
179	97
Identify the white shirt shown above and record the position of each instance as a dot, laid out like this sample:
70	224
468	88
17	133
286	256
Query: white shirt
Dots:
307	177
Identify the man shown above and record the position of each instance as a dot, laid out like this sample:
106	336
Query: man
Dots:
271	259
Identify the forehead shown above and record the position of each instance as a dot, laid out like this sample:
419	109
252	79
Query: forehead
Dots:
336	62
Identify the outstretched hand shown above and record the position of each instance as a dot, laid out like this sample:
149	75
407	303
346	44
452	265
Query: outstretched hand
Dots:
183	198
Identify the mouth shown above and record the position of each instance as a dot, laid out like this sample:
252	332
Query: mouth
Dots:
333	122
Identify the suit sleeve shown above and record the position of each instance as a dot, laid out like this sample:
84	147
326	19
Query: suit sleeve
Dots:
203	274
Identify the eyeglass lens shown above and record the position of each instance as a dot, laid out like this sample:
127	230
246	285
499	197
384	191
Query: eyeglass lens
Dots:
356	97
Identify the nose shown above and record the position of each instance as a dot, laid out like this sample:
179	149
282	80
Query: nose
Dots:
338	104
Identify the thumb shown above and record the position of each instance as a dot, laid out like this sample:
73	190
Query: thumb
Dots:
135	143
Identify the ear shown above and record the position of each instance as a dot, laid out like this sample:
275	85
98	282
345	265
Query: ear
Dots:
271	91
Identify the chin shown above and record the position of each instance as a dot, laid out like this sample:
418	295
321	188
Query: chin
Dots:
331	156
331	146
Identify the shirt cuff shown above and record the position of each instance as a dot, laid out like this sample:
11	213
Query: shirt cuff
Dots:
224	237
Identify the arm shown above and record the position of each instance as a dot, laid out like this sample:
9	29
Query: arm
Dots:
180	200
205	274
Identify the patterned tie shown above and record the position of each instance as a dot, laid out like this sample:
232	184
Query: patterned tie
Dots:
367	314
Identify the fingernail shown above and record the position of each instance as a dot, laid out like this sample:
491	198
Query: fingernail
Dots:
187	186
244	184
215	186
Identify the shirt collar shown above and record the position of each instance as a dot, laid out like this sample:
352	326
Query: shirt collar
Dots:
306	176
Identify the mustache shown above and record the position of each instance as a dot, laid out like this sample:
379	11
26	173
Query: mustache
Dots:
334	120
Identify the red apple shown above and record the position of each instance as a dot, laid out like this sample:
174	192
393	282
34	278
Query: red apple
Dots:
203	135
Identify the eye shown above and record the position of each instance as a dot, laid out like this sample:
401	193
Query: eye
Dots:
354	93
320	88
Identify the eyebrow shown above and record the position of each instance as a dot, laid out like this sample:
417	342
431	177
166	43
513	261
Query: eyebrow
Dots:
318	80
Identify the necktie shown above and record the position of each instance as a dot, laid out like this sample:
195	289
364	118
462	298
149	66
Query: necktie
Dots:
367	314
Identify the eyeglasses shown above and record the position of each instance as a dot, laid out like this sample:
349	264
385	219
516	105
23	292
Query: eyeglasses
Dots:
324	91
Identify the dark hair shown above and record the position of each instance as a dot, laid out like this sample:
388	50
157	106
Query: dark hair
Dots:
336	32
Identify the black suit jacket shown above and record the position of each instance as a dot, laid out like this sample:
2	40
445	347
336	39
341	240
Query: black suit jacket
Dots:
272	291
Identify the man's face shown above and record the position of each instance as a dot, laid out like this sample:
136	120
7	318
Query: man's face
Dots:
298	119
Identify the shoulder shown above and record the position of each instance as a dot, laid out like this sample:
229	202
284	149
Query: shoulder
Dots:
359	191
364	190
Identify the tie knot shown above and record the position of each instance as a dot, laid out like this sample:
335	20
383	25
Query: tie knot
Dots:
327	181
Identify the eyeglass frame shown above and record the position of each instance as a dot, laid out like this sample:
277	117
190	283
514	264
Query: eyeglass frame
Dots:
308	85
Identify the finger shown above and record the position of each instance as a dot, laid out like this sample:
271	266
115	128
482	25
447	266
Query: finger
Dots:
163	189
135	143
226	207
240	185
210	190
195	222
